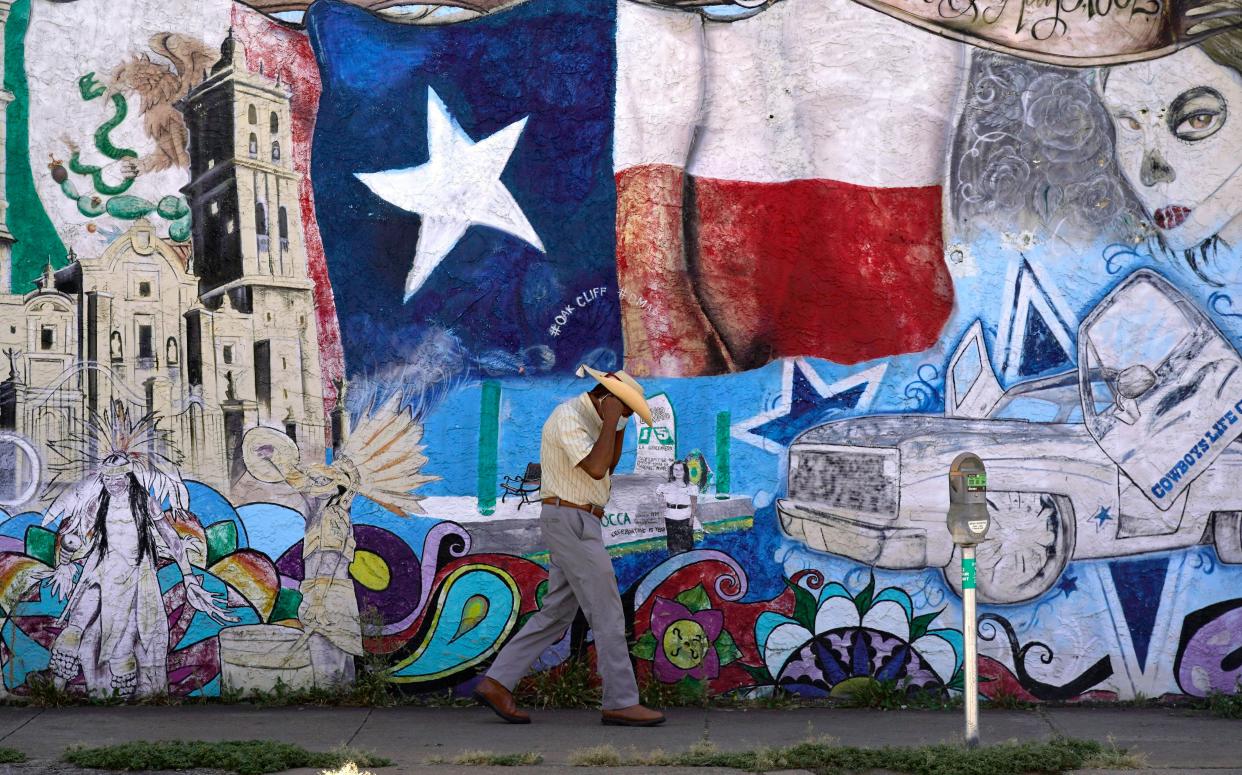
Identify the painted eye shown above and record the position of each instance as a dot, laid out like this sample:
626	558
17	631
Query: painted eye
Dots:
1129	122
1197	114
1199	126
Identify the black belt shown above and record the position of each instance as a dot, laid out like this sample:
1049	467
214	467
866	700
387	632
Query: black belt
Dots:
592	509
671	506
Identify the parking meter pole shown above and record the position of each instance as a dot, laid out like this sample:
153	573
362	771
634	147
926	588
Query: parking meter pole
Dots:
970	689
968	522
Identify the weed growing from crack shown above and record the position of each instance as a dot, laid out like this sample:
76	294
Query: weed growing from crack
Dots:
1225	705
571	684
1005	699
489	759
896	695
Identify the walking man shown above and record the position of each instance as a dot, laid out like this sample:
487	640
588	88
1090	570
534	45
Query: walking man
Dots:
581	445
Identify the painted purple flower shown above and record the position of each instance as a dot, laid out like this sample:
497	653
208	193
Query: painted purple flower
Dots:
685	641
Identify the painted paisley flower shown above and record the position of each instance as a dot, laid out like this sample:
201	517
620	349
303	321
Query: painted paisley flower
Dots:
836	640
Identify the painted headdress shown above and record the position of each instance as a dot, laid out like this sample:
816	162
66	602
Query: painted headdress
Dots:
381	460
386	451
109	444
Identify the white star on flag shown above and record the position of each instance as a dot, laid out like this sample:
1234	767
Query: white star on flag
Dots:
458	187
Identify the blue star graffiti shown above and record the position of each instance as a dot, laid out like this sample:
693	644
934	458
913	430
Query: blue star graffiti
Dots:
807	400
1068	584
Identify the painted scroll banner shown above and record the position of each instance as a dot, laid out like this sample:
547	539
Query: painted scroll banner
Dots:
1071	33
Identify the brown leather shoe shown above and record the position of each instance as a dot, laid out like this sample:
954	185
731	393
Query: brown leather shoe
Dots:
495	696
633	716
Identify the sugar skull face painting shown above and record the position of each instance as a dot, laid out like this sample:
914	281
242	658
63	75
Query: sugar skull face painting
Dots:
1178	139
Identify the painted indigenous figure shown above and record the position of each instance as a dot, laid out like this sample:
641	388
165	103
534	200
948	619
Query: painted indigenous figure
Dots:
115	529
381	461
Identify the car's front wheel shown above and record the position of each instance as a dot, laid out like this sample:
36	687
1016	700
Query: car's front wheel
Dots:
1028	545
1227	534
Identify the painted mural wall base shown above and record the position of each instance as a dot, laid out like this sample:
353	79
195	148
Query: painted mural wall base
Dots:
257	657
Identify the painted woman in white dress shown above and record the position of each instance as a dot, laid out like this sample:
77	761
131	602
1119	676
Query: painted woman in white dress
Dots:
680	501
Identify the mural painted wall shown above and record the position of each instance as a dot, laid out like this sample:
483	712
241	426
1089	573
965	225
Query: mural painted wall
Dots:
287	290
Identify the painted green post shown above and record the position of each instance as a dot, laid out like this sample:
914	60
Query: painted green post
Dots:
722	455
489	442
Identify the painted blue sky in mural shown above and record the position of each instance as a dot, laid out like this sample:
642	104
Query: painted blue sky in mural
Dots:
494	289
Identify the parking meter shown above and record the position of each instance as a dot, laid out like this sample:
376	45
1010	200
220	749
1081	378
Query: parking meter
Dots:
968	517
968	523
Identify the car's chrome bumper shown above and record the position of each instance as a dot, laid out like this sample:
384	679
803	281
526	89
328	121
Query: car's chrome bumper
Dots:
874	544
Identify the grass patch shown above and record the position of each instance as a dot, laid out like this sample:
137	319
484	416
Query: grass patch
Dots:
245	757
570	684
1004	699
598	756
11	756
349	769
686	693
1054	756
1114	758
896	695
489	759
1225	705
44	693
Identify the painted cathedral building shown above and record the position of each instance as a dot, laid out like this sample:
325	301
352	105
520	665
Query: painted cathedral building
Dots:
213	338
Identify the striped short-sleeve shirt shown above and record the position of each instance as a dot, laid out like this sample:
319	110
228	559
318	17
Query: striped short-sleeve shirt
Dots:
568	436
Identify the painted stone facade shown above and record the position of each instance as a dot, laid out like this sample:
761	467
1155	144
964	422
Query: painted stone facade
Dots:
287	291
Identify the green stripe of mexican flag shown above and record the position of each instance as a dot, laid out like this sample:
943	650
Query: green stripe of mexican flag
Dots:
36	238
94	137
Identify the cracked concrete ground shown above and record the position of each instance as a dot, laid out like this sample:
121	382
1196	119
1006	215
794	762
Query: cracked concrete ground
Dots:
1173	741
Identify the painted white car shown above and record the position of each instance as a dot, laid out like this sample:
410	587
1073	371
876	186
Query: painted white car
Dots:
1134	451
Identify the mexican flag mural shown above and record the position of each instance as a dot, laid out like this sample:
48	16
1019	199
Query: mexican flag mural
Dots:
96	141
98	81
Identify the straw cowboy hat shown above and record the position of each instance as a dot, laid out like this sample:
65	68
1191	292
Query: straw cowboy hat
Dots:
622	386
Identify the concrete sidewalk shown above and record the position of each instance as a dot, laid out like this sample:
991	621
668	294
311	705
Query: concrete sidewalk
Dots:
1172	740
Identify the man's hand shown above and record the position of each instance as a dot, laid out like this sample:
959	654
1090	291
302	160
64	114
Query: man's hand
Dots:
610	408
602	457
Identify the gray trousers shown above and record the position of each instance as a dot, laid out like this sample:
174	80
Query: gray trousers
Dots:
579	574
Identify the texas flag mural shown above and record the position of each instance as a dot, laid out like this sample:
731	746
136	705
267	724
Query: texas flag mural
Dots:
464	179
742	189
779	185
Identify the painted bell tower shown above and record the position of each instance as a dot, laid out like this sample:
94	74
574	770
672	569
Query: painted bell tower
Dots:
249	253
